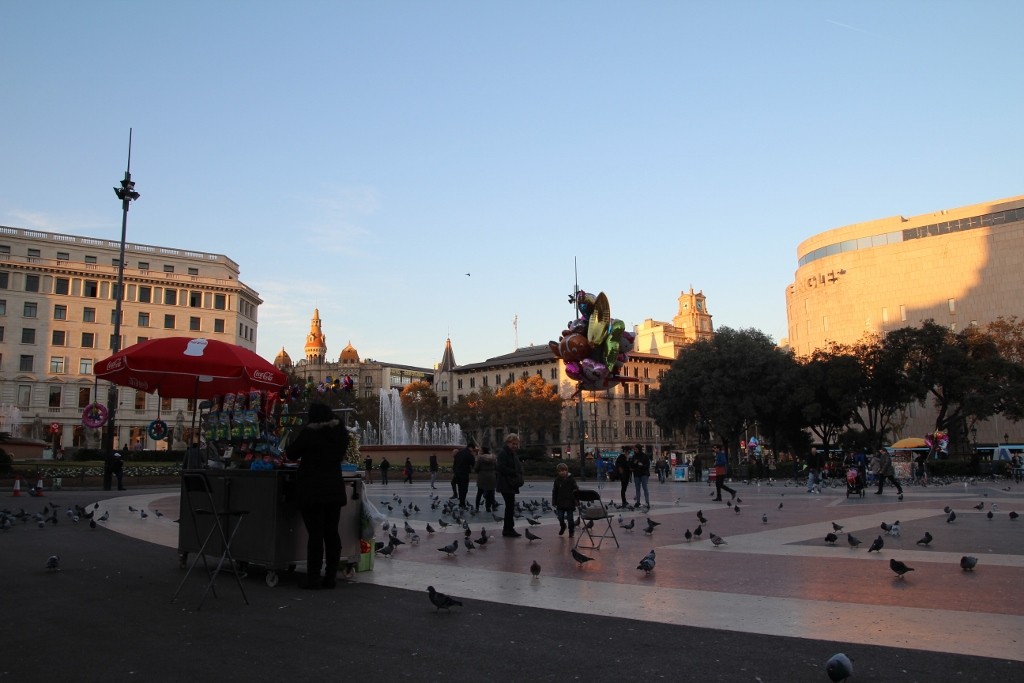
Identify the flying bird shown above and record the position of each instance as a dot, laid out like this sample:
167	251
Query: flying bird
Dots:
580	558
968	563
839	667
852	540
899	567
926	539
647	562
876	544
831	538
530	536
442	601
535	569
450	548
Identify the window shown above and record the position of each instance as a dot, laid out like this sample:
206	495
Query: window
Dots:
139	340
88	340
171	296
116	262
88	315
220	301
58	338
31	309
25	363
145	294
193	271
61	285
90	259
3	306
195	299
140	400
33	253
60	312
113	316
952	305
5	279
91	289
84	396
1	333
143	319
168	322
85	367
143	265
63	256
885	315
627	408
56	366
168	269
165	404
459	383
218	325
31	283
193	323
903	313
24	395
28	335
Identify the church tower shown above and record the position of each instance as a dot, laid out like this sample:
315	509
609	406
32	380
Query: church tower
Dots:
316	342
693	318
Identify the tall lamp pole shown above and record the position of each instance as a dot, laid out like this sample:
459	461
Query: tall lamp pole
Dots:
127	194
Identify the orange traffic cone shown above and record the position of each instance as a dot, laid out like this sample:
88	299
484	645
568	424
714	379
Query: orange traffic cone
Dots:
39	488
17	487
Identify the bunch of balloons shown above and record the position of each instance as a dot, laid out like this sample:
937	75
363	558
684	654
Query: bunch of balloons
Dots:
594	346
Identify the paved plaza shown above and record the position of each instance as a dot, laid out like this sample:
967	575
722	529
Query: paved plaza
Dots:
771	604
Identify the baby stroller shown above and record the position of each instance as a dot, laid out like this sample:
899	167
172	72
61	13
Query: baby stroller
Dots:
856	482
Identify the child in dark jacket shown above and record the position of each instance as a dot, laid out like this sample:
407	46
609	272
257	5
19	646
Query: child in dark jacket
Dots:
563	498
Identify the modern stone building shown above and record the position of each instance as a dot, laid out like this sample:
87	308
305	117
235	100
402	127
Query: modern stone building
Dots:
57	299
959	267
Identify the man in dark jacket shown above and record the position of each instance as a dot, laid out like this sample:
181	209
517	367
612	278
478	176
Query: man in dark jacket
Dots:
462	467
509	477
320	487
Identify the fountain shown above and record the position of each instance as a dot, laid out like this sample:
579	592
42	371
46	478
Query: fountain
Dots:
397	437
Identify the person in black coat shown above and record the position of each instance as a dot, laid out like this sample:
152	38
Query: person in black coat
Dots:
508	480
462	467
320	448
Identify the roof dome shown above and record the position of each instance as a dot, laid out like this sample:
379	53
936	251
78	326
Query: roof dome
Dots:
349	354
283	360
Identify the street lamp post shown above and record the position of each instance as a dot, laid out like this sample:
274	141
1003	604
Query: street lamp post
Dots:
127	194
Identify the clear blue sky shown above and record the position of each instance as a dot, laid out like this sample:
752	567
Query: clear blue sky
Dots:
362	157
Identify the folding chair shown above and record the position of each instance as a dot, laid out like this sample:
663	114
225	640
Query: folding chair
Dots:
221	525
592	512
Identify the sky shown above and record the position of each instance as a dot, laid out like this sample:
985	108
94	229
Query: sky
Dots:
428	170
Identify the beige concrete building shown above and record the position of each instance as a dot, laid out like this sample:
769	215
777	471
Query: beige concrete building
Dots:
959	267
57	299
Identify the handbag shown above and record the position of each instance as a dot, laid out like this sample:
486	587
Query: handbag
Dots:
720	470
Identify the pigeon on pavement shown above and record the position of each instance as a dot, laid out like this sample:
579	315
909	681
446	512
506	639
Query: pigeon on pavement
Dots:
837	527
450	548
688	535
535	569
647	562
1013	515
580	558
876	544
838	667
442	601
717	540
764	518
831	538
852	540
951	517
926	539
899	568
968	563
530	536
628	527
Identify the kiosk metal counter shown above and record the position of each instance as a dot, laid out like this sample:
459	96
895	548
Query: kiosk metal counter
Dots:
271	534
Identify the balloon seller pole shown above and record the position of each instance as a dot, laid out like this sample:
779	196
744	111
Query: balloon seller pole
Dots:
574	301
127	194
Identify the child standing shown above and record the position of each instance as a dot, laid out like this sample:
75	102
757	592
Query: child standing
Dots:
563	498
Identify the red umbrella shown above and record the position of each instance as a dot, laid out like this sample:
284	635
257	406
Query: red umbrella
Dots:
183	367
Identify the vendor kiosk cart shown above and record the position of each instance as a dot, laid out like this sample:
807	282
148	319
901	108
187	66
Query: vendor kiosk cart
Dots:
271	534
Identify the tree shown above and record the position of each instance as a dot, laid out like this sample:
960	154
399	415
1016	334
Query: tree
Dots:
885	389
828	390
419	400
530	405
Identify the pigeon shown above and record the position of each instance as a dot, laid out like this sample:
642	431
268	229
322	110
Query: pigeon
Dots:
852	540
649	529
387	550
442	601
158	513
409	529
926	539
980	506
580	558
989	514
1013	515
469	545
483	538
764	518
535	569
839	667
951	517
442	523
968	563
647	562
467	534
92	523
629	527
697	532
899	567
688	535
651	523
53	563
450	548
105	516
415	539
876	544
780	506
395	541
885	527
530	536
430	529
837	527
142	514
131	509
700	517
737	509
831	538
532	521
947	509
717	540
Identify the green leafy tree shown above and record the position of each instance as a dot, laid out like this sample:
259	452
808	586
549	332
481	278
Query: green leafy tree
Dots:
828	391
